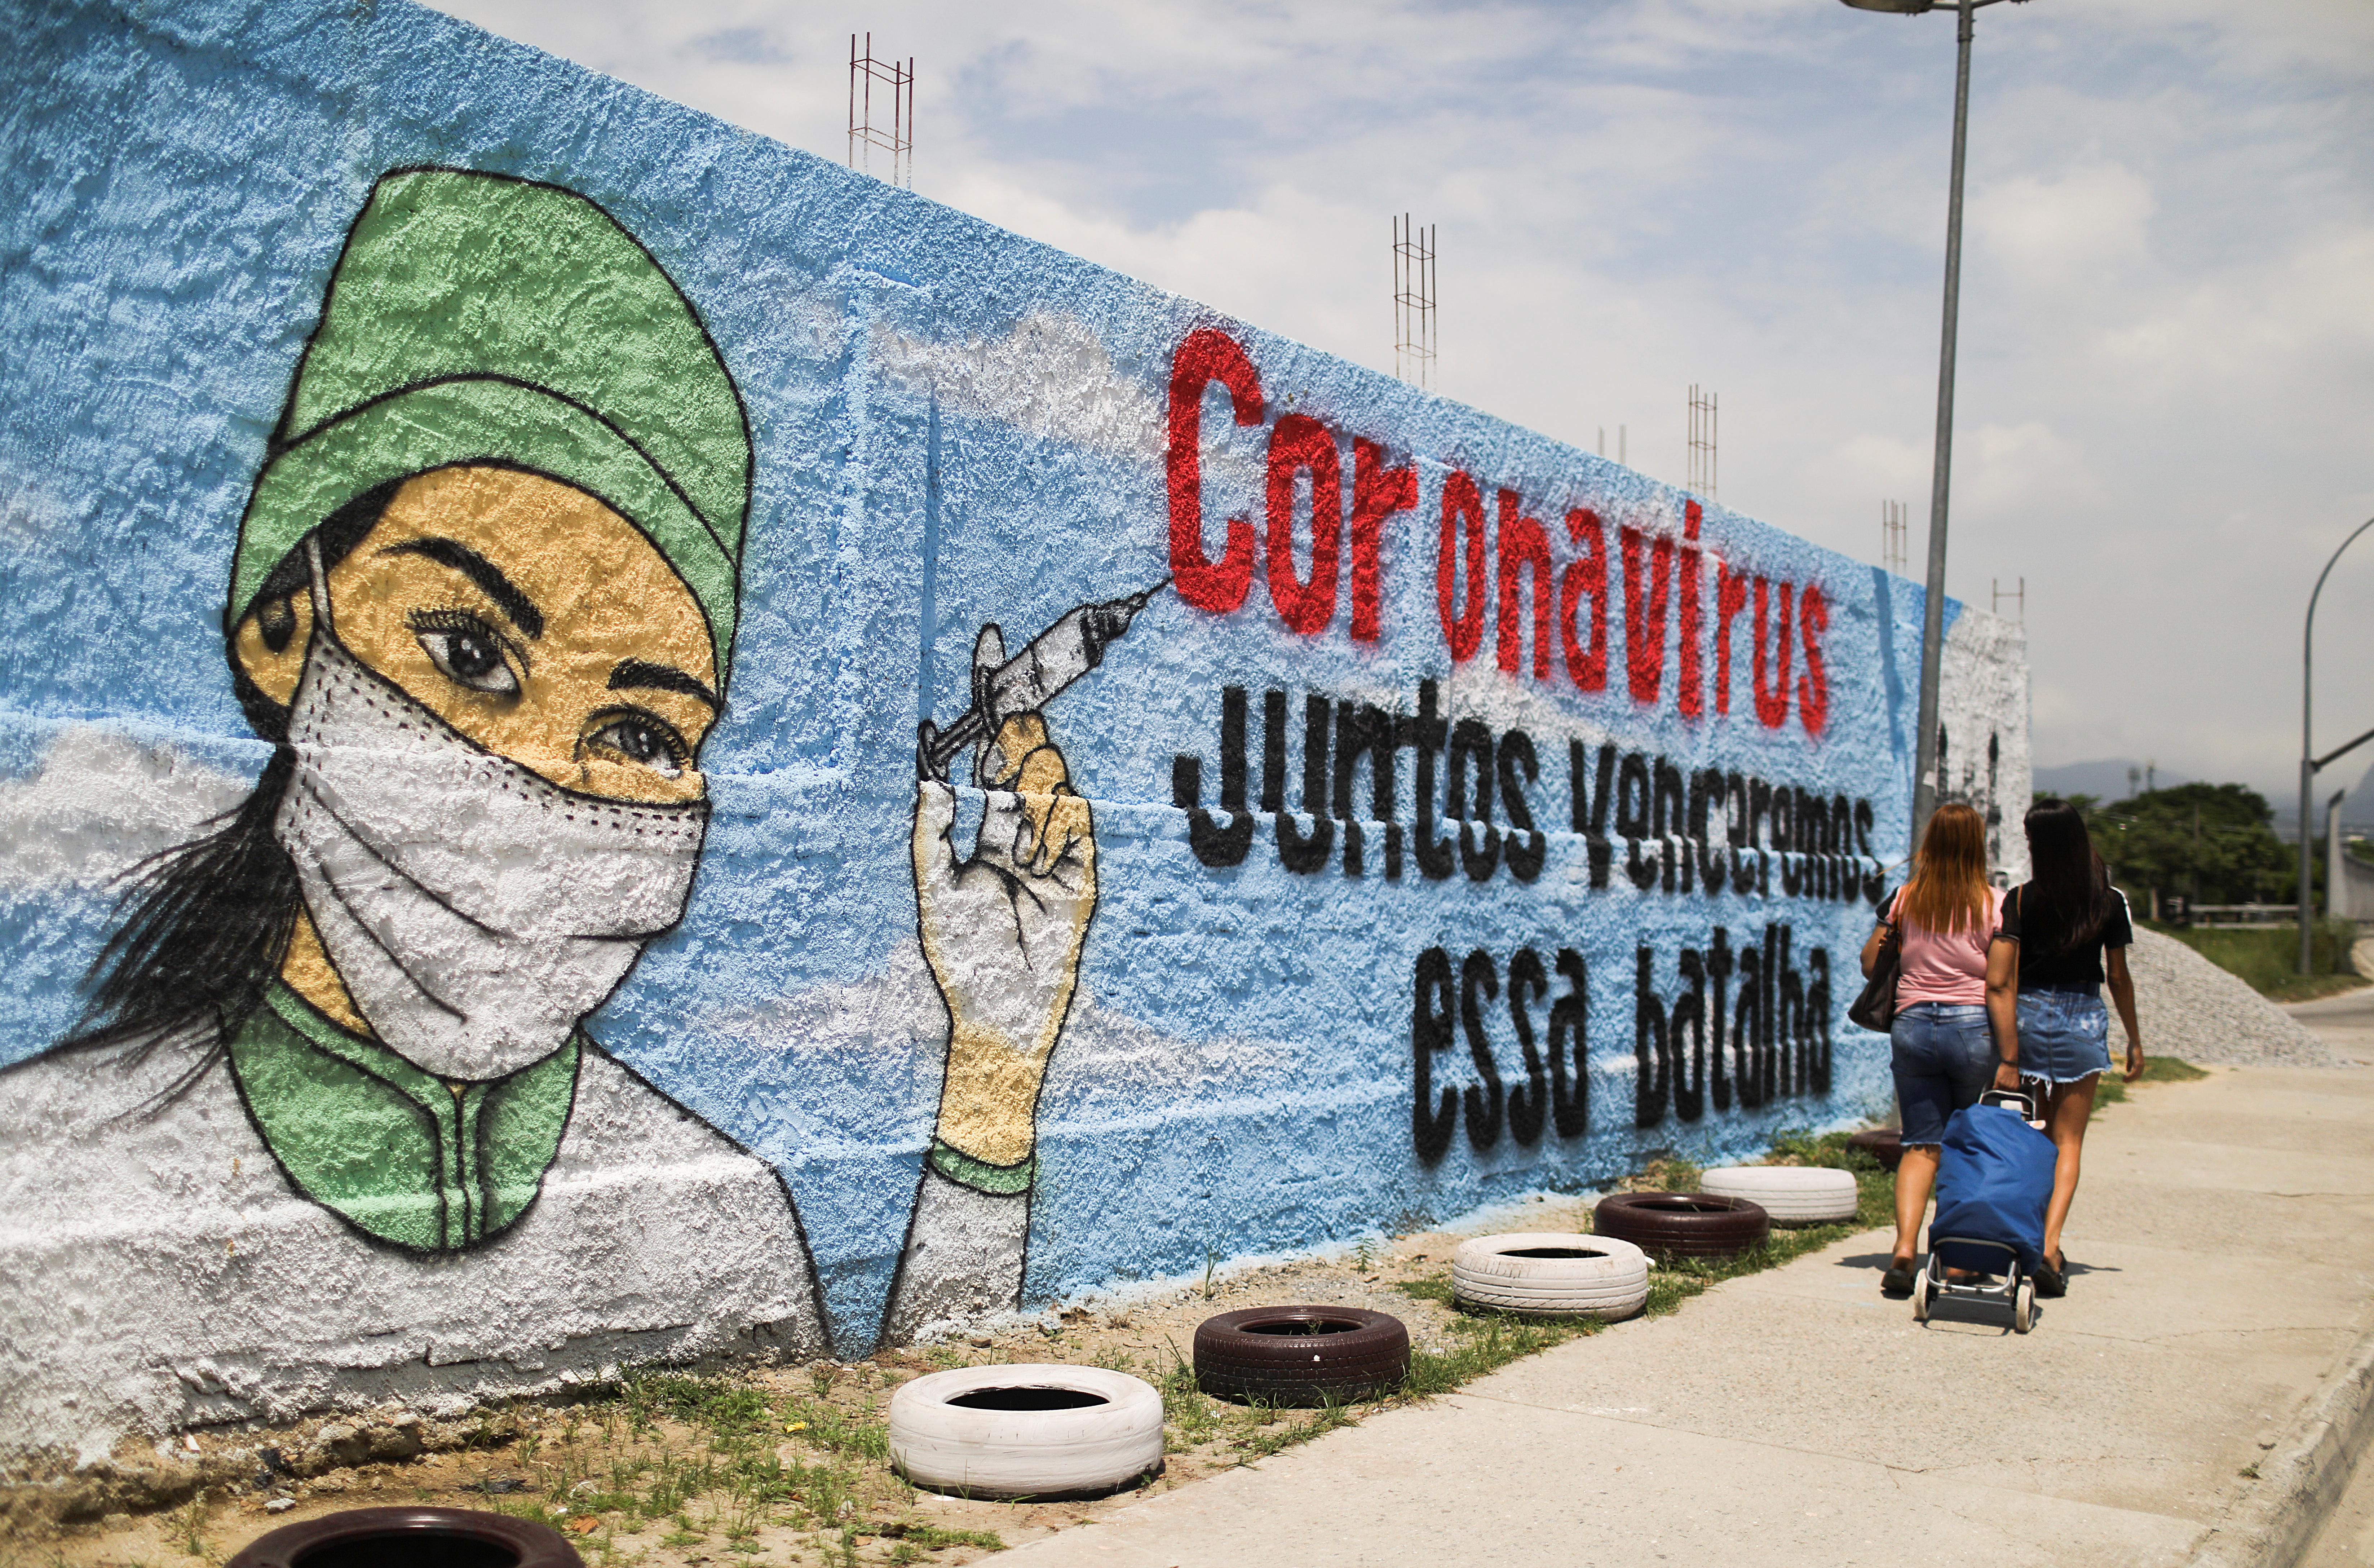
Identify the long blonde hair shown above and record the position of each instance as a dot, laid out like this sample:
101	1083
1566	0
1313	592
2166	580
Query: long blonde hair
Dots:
1948	891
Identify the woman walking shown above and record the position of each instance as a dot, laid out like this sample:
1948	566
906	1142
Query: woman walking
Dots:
2071	929
1954	991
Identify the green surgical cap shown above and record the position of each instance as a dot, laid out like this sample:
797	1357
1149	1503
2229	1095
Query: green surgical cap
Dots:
475	318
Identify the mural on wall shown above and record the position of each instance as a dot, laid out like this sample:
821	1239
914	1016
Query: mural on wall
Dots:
795	770
483	604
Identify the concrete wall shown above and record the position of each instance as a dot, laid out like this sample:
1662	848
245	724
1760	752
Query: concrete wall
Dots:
2348	881
1982	720
1516	819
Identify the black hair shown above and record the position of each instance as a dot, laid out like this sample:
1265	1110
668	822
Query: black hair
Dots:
275	602
206	925
2069	885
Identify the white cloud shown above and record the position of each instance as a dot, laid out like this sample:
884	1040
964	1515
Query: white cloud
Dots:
1105	1055
2061	233
98	804
1050	376
2168	342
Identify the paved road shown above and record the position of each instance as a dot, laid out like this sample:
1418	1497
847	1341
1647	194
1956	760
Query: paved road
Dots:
2224	1244
2344	1023
2347	1540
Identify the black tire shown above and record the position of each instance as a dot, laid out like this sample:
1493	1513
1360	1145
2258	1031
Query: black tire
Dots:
1683	1224
411	1538
1300	1355
1883	1144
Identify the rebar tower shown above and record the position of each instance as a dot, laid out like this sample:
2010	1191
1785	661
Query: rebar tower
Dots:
894	138
1891	536
1413	303
1702	417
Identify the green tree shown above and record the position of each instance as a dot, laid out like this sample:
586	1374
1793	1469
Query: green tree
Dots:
2212	844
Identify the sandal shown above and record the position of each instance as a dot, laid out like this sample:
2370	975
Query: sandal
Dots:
1898	1281
2052	1283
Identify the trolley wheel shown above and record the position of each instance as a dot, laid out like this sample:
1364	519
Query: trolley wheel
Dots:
1925	1290
2022	1307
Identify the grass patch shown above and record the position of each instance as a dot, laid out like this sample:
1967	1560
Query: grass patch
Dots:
1674	1281
2312	988
1486	1341
930	1538
2112	1089
1253	1430
1433	1288
1265	1434
2268	959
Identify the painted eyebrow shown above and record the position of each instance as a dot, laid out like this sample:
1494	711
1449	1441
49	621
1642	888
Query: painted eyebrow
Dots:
660	677
483	572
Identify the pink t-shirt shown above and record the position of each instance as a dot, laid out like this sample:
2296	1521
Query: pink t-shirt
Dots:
1950	967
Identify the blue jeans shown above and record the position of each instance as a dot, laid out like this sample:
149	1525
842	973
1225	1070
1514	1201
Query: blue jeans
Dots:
2064	1036
1944	1059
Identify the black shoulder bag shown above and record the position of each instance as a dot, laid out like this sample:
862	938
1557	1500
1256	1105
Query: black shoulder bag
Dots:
1875	1008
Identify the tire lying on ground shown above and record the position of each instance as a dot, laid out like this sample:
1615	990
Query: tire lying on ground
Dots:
1300	1355
1791	1194
1551	1273
1682	1224
417	1535
1029	1430
1883	1144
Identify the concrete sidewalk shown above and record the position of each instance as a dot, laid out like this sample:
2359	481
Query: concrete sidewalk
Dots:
2222	1250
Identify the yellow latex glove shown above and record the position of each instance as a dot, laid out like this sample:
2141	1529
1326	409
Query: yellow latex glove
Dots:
1002	933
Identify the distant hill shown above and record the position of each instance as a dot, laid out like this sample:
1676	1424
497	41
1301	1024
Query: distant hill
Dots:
2105	780
2357	810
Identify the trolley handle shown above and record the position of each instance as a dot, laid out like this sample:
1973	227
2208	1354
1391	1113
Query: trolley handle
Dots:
2010	1098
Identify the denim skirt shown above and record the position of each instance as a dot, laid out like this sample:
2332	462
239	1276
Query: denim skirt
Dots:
2064	1036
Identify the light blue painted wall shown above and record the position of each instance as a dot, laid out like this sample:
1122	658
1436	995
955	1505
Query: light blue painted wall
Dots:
1237	1074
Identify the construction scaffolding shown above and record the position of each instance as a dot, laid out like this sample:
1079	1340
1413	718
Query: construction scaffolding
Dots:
1702	433
894	138
1414	345
2018	597
1891	536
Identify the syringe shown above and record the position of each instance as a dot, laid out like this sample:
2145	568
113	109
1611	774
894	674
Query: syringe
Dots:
1028	681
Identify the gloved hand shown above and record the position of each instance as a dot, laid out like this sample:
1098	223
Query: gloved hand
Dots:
1002	933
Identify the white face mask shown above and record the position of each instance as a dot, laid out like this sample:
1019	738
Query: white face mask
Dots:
475	911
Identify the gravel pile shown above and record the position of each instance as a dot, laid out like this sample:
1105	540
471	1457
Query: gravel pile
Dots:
2191	1008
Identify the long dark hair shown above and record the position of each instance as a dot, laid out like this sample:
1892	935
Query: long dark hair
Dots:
206	925
2069	885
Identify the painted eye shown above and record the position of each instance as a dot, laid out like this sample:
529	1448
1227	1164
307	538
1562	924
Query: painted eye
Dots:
645	741
467	652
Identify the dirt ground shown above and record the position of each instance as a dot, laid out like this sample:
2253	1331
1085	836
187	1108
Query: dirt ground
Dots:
785	1464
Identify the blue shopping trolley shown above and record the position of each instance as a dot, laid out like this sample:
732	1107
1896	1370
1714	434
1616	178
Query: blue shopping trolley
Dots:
1995	1177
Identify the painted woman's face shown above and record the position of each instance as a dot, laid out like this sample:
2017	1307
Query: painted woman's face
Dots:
531	618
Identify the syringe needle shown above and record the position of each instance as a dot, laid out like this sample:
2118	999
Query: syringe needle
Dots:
1036	675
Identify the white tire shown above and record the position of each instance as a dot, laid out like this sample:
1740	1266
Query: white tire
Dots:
974	1431
1608	1280
1792	1195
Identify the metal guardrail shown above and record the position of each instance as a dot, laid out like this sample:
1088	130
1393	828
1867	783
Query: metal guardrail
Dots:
2252	915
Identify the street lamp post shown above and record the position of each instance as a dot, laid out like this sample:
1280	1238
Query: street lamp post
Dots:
2309	762
1932	621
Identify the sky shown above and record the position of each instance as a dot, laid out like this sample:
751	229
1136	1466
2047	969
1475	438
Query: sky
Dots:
2167	366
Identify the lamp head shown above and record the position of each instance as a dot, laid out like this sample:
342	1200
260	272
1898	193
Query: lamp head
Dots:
1901	7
